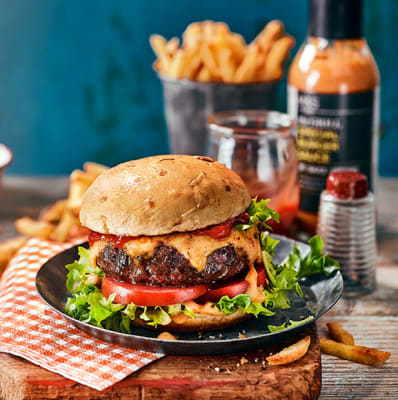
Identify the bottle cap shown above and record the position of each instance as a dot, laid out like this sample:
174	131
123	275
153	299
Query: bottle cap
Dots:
347	185
335	19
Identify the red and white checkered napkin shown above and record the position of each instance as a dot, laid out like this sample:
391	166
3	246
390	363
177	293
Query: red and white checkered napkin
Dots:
30	329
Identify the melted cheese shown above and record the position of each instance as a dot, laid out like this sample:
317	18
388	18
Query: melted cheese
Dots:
195	248
256	293
95	249
207	308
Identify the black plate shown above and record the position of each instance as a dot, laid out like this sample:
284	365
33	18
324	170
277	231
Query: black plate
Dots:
320	294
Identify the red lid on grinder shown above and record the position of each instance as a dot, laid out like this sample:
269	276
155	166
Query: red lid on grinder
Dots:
347	185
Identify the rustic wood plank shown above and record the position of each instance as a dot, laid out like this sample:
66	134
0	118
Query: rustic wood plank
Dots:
207	377
345	380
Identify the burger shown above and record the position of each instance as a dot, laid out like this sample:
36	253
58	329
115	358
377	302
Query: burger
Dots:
176	244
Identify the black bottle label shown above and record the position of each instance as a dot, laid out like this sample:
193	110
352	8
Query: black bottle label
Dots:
333	132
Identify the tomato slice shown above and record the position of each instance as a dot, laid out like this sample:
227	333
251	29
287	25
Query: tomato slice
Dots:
143	295
230	289
261	275
233	289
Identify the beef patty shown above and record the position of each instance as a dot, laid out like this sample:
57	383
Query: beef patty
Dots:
168	267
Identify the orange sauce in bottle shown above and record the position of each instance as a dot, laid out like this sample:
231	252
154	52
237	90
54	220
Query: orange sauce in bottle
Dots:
333	92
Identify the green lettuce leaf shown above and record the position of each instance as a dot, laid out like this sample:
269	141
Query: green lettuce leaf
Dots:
258	212
80	269
243	302
278	328
155	316
282	278
180	308
315	261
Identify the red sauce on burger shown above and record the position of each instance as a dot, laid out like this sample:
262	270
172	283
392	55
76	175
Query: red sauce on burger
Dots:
219	231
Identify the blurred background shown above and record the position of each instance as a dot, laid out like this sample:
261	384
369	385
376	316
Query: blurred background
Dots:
77	82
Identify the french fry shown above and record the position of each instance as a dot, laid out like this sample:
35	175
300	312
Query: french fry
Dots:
358	354
221	28
271	32
291	353
208	30
203	75
176	65
246	70
226	64
61	232
209	60
76	230
238	46
172	45
166	336
78	184
158	44
94	169
53	213
192	34
29	227
338	333
8	248
193	66
278	53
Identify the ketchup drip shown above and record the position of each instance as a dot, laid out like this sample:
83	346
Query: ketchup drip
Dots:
117	240
219	231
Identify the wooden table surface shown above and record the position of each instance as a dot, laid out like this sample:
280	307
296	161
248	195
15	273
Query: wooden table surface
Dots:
373	319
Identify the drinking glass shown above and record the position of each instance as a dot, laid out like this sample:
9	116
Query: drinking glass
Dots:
260	146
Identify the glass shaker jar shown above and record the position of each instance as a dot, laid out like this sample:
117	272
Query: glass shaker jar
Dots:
260	147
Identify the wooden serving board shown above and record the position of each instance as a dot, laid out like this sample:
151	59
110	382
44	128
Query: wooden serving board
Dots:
207	377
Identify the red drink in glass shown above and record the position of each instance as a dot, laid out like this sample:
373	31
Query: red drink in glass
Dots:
260	147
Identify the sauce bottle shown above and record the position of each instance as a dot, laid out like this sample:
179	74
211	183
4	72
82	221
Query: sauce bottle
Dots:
333	93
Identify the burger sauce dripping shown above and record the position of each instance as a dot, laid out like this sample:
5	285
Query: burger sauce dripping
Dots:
117	241
219	231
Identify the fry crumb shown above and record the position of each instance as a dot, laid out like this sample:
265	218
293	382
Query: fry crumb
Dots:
167	336
241	336
244	360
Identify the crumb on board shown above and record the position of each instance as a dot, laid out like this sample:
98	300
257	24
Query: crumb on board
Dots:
243	361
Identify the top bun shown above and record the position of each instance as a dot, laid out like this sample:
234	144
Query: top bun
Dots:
163	194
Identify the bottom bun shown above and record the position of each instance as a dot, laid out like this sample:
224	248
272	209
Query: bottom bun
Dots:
202	322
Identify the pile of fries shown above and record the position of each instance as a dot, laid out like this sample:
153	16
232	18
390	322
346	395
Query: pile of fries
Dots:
59	221
210	52
343	346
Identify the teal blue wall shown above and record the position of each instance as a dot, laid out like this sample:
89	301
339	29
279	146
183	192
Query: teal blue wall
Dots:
76	81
